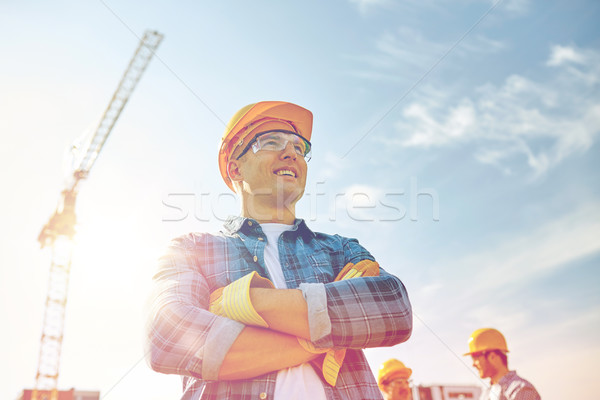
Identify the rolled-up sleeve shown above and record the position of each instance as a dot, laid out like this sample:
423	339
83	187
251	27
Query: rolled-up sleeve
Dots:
366	312
182	336
318	317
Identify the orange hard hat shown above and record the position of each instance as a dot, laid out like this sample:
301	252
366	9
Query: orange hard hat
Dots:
392	368
260	117
486	339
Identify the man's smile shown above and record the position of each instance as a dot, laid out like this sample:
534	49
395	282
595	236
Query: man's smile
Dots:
286	171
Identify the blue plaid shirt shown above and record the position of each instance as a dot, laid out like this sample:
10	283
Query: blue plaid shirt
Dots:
186	339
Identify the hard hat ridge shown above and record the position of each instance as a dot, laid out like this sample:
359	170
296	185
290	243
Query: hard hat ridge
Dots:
486	339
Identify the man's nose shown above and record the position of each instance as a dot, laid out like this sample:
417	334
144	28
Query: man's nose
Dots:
289	151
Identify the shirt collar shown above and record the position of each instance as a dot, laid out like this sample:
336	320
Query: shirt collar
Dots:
233	224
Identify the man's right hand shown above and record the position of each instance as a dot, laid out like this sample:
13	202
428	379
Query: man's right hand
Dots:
362	268
257	351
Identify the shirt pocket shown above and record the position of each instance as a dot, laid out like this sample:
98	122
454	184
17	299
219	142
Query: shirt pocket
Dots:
320	268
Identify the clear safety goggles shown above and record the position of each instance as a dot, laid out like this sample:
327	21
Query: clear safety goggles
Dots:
398	381
278	140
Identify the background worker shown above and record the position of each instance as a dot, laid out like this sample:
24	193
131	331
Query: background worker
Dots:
394	380
267	308
487	348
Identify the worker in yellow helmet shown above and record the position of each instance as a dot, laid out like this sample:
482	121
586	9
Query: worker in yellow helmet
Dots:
488	350
394	380
269	309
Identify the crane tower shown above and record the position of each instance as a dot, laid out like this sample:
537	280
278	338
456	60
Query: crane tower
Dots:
59	231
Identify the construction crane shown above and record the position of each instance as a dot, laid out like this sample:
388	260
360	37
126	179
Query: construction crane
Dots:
58	233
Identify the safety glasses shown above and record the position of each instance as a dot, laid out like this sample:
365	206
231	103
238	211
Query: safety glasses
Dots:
398	381
276	141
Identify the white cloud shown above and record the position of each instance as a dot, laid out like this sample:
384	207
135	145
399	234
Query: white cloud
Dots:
564	54
540	122
406	46
364	5
456	125
518	7
512	7
580	64
410	50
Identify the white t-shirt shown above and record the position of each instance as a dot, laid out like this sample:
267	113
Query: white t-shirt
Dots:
301	382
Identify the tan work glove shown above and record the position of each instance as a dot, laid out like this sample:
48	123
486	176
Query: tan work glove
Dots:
363	268
334	358
233	300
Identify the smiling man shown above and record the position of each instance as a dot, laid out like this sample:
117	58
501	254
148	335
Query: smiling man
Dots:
267	308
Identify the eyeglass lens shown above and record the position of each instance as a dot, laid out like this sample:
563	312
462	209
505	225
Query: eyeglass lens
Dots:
278	141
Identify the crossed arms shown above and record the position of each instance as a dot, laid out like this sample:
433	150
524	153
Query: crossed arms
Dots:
185	338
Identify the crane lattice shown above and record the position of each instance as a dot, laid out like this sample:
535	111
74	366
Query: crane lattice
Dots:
58	233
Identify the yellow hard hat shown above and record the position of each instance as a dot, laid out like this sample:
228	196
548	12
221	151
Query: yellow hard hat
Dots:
260	117
392	368
486	339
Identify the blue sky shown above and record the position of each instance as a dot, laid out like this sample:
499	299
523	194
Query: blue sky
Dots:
457	140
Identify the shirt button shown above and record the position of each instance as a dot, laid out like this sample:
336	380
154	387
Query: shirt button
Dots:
262	396
255	259
249	223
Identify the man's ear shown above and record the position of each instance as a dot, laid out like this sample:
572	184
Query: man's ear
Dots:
233	170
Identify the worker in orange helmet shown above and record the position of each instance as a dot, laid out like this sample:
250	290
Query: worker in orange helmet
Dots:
267	308
394	380
488	350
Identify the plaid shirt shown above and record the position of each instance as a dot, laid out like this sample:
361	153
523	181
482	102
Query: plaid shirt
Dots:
511	387
186	339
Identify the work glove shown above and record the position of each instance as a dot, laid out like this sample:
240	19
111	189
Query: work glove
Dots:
363	268
233	300
334	358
